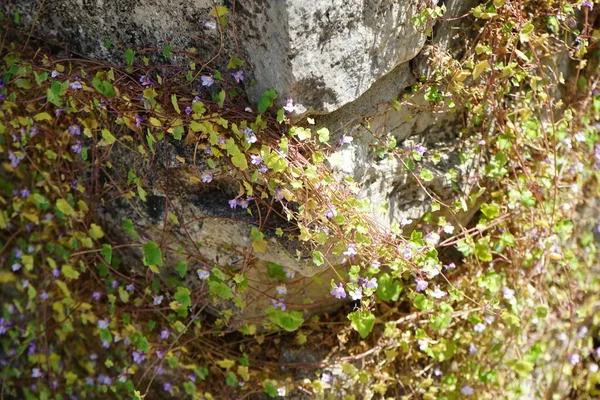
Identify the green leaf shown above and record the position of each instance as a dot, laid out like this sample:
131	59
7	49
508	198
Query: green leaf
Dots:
152	254
123	295
231	379
323	135
287	320
41	202
181	268
64	207
388	288
44	116
167	50
482	249
525	34
239	160
491	211
280	115
96	232
219	11
362	322
266	100
104	87
318	258
140	342
182	295
276	271
426	175
220	289
271	388
523	368
221	98
107	252
175	103
108	137
481	67
235	63
129	56
69	272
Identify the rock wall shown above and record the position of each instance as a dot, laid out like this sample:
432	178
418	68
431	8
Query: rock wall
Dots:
341	61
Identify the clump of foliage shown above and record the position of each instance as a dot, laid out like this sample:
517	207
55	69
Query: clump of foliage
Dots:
515	316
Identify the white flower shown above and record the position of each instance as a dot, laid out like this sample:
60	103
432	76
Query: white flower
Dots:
438	293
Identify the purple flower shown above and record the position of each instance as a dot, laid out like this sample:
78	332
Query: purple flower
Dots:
574	359
250	136
75	85
356	294
279	303
56	272
104	380
157	300
472	349
450	266
255	159
263	169
160	354
207	80
192	377
145	80
421	284
371	283
44	295
507	293
351	251
138	357
130	287
77	147
278	194
167	386
74	184
58	111
233	203
588	3
203	273
75	130
138	120
289	273
221	141
14	158
467	390
438	293
330	212
96	295
289	106
206	176
165	333
244	203
238	76
15	267
420	149
281	289
103	324
4	326
36	373
25	283
55	73
115	284
479	327
338	291
188	110
346	139
211	24
18	253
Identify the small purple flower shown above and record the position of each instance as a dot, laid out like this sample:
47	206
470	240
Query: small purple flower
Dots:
206	176
356	294
255	159
331	212
278	194
263	169
574	359
103	324
188	110
207	80
130	287
75	85
139	119
238	76
508	293
338	291
115	284
145	80
221	141
438	293
157	300
192	377
211	24
347	139
281	289
371	283
44	295
15	267
18	253
104	380
420	149
55	73
59	111
203	273
351	251
4	326
250	136
450	266
33	131
56	272
421	284
96	295
77	147
89	381
14	158
25	283
279	303
74	184
588	3
165	333
160	354
93	356
467	390
289	273
167	387
75	130
208	150
289	106
233	203
244	203
138	357
36	373
479	327
472	349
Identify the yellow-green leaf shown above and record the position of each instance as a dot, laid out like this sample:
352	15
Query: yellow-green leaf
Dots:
480	68
95	232
44	116
69	272
219	11
64	207
175	103
108	137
